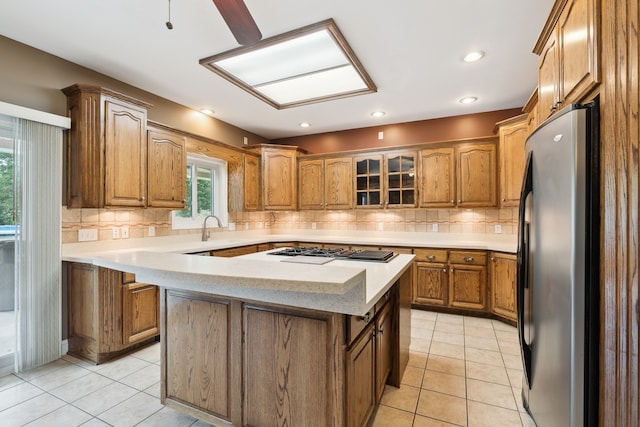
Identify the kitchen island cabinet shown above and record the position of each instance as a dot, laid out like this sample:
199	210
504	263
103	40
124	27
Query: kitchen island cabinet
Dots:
234	354
109	312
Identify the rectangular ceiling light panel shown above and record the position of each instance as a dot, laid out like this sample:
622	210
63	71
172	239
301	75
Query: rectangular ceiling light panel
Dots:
307	65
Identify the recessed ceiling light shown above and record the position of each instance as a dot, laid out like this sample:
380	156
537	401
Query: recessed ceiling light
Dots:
207	111
473	56
377	114
468	100
305	125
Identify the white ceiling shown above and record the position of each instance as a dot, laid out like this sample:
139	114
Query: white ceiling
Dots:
412	49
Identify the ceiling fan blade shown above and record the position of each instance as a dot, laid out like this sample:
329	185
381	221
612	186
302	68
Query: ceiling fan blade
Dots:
239	20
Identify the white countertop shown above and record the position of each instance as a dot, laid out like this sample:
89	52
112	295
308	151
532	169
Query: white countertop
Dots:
86	252
342	286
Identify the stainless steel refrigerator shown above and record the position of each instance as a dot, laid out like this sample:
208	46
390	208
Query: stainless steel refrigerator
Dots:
558	269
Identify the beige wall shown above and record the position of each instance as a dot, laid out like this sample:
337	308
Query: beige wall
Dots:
32	78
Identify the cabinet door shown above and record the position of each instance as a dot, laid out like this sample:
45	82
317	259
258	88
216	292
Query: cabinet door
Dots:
361	384
369	181
140	312
512	141
548	91
280	182
252	180
125	154
430	284
477	171
285	369
311	184
400	187
338	183
167	166
577	59
437	177
502	273
384	348
468	286
197	352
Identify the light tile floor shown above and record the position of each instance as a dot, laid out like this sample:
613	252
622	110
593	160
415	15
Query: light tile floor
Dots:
463	371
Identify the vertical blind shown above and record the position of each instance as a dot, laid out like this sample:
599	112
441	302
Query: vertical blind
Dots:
38	179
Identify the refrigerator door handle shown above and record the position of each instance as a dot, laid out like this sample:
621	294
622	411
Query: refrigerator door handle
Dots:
523	276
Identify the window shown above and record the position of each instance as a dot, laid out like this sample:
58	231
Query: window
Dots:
206	192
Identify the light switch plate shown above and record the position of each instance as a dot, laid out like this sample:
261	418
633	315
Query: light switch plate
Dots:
87	234
381	226
497	229
152	231
116	232
434	227
124	232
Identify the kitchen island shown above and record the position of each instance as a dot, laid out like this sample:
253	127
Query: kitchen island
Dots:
256	340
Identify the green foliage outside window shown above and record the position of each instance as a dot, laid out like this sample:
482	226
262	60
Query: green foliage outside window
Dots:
6	189
204	191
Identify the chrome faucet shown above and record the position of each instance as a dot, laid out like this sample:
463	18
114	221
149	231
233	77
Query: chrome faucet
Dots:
205	233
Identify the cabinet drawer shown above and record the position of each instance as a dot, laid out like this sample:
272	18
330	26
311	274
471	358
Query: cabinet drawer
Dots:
431	255
356	324
464	257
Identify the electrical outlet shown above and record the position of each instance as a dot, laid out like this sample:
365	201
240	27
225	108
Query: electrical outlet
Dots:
497	228
116	232
87	234
124	232
381	226
434	227
152	231
313	225
232	226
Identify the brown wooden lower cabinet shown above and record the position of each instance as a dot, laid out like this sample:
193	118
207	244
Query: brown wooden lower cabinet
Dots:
466	282
253	364
109	313
361	378
502	279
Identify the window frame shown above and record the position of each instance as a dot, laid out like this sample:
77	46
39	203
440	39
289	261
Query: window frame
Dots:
219	188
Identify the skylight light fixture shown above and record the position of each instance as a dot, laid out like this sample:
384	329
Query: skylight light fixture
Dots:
378	114
305	125
307	65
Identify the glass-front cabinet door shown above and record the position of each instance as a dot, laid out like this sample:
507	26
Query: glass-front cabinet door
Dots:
369	181
400	180
386	180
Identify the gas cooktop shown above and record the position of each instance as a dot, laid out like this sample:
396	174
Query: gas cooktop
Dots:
337	253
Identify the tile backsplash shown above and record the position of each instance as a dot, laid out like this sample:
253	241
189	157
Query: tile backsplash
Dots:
139	221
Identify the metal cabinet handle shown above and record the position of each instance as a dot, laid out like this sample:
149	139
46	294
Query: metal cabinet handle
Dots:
444	270
431	257
459	201
469	259
381	331
452	201
142	198
366	318
493	259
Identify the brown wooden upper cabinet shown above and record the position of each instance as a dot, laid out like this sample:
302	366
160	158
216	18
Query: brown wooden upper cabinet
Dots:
513	135
252	181
387	180
279	177
568	63
325	183
167	169
462	175
110	162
